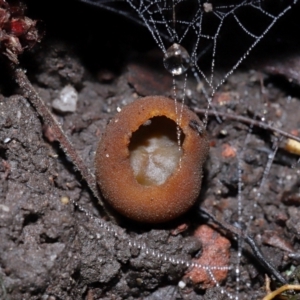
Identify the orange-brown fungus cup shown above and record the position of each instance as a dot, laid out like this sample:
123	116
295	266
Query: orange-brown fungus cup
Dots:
142	170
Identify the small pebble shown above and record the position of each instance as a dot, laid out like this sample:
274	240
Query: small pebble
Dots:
67	100
64	200
7	140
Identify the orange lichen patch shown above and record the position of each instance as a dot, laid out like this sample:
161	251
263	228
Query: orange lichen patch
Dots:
215	252
140	168
228	151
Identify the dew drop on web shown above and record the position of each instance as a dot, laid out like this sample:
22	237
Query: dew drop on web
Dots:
177	60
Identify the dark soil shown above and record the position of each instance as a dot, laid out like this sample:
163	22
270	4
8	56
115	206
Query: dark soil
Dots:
51	250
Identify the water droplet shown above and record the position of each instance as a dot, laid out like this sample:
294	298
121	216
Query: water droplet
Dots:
177	60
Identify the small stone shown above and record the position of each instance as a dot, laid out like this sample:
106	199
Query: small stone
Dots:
139	281
228	151
67	100
64	200
4	208
48	133
207	7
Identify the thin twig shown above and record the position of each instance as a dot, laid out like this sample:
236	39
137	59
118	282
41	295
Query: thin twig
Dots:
31	94
247	121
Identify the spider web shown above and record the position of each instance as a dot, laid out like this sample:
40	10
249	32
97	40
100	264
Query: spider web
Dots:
200	27
197	25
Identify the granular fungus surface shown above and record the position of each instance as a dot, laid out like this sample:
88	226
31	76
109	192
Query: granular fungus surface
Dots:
142	169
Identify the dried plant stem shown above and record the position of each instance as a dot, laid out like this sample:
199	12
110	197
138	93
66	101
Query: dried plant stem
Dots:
283	288
247	121
31	94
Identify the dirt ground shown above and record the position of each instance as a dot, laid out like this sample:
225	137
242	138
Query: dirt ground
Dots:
51	250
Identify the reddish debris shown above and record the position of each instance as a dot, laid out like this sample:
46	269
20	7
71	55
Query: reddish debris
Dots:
6	167
223	98
295	132
98	132
179	229
49	134
212	143
105	75
228	151
17	32
148	77
281	218
215	253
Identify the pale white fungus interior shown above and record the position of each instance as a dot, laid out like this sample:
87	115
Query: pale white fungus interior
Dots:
154	151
